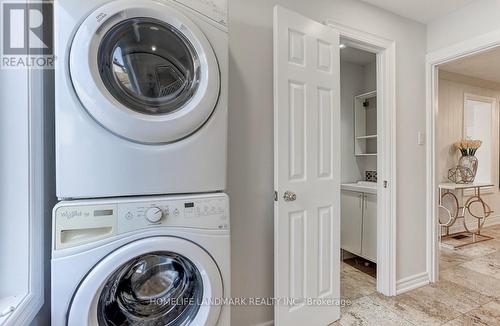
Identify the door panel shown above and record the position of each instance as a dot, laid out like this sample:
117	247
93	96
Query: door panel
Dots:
326	255
325	133
351	223
297	258
369	244
297	130
307	165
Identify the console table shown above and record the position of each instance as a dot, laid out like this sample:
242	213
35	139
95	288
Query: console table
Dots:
462	208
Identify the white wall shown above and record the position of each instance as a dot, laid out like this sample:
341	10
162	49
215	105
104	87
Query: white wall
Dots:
370	79
355	79
369	163
352	84
476	18
250	178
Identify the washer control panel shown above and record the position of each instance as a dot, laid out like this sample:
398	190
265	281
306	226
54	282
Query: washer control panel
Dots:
83	221
202	212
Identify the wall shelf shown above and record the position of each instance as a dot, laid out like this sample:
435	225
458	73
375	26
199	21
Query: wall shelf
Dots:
366	154
365	124
366	95
367	137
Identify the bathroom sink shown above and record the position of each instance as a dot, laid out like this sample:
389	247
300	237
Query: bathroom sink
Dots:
361	186
367	184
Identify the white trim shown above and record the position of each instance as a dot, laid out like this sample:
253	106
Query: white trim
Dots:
30	305
412	282
469	47
386	160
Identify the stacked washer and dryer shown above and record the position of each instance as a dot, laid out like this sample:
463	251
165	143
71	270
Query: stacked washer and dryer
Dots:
141	235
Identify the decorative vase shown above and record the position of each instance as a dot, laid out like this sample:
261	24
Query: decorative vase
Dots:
469	162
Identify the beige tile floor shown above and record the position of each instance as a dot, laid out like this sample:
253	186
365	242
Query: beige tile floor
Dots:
468	292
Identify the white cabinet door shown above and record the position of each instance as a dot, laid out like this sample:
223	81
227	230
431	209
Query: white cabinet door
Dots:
369	243
306	169
351	221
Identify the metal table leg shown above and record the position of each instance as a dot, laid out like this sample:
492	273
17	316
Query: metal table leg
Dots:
461	213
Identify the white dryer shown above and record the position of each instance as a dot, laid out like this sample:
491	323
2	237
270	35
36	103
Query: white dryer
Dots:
141	98
141	261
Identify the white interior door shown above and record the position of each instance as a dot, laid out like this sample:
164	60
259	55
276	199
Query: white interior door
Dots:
307	169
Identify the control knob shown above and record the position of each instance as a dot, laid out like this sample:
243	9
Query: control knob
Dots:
154	214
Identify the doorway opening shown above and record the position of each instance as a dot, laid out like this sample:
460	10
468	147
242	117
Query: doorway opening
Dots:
359	139
373	153
307	162
463	173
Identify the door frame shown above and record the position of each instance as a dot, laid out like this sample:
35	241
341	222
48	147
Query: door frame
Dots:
385	50
467	48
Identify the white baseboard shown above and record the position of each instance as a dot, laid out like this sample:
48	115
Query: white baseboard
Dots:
411	282
471	224
267	323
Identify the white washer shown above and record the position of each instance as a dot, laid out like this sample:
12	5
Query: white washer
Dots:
141	261
141	98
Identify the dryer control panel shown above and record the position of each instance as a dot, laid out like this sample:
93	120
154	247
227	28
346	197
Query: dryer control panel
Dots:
78	222
204	213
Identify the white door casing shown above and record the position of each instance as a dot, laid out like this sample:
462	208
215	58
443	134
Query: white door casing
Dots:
471	46
307	164
386	144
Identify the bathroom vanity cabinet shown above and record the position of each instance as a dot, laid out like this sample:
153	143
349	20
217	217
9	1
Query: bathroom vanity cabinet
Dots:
359	224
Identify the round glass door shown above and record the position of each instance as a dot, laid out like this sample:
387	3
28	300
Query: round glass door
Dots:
144	71
148	66
165	287
153	281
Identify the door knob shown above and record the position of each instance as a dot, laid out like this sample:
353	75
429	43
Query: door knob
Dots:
289	196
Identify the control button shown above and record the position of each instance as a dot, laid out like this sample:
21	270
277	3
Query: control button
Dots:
154	214
188	212
129	215
176	212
